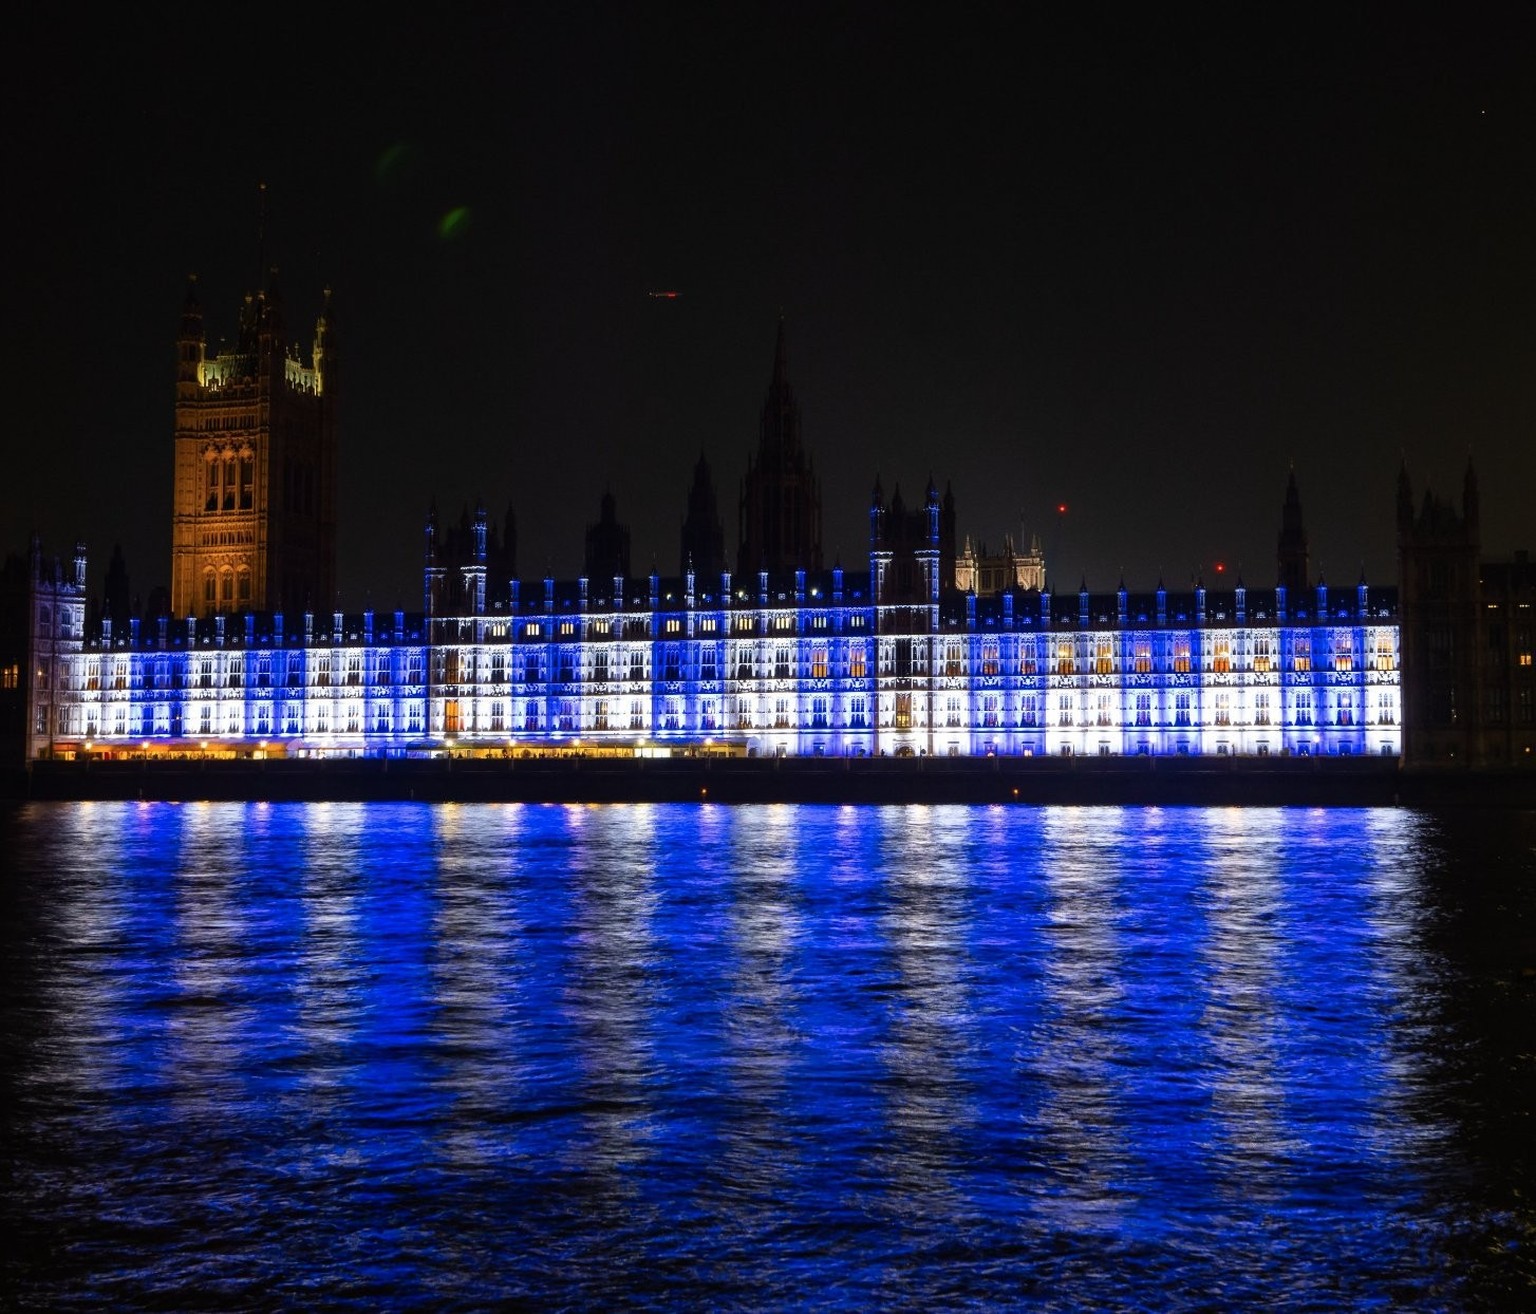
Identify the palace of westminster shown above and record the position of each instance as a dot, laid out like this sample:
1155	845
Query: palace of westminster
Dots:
928	651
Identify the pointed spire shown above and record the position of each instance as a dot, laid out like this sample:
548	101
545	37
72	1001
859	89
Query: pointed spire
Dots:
1404	497
780	498
1291	551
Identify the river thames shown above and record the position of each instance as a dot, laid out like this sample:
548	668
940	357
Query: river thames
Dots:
708	1057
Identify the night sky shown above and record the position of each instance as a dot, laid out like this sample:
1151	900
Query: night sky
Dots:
1139	269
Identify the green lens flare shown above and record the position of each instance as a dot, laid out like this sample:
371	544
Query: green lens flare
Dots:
454	224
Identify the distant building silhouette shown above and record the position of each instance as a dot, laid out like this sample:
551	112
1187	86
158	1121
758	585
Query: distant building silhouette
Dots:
1291	551
780	497
703	536
607	556
1468	637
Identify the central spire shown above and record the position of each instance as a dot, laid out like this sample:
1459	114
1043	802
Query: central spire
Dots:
779	429
780	499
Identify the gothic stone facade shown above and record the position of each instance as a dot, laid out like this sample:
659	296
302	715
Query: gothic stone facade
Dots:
254	516
802	663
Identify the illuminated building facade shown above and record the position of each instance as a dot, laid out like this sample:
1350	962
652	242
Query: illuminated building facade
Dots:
254	511
883	661
986	574
783	657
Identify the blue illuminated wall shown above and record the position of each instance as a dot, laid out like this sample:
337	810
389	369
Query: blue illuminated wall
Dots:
834	663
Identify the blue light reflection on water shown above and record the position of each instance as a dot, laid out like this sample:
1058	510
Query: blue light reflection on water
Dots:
813	1056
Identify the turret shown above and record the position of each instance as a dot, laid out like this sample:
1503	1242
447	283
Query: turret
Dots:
433	569
877	516
323	354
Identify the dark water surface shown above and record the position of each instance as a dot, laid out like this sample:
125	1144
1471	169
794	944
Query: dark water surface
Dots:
319	1056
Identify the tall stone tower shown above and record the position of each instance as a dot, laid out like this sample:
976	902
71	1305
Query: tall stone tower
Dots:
254	510
780	497
1440	608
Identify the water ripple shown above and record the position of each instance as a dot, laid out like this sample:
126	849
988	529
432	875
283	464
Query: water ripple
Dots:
363	1056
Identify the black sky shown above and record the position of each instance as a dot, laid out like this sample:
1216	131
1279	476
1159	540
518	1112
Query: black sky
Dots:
1141	269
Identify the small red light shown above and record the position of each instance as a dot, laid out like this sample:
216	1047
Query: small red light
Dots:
1061	507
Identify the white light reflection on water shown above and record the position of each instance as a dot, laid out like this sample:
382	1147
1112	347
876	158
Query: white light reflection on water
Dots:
748	1057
